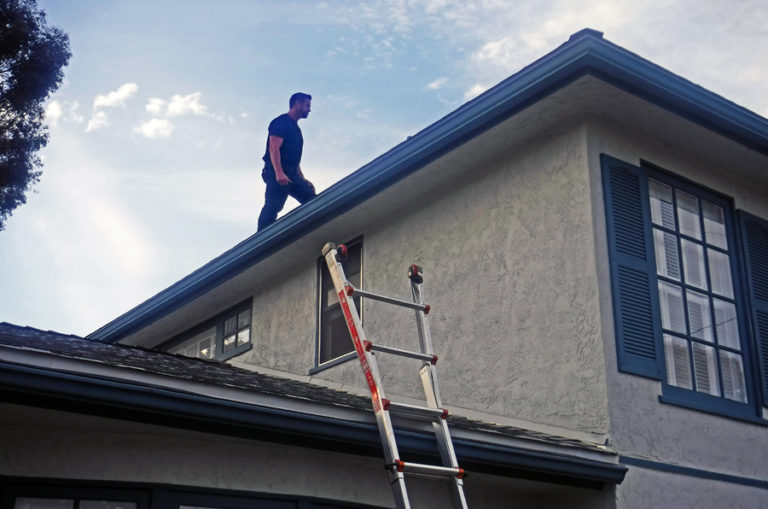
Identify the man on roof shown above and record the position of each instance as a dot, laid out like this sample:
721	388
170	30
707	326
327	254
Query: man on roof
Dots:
282	170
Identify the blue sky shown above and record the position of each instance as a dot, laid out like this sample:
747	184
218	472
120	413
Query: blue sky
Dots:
153	163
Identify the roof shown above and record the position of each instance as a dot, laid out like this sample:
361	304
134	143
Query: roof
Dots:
66	372
585	53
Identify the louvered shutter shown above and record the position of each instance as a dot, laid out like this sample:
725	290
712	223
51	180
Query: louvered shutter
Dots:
754	236
633	272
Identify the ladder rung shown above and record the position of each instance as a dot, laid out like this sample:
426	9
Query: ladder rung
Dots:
432	359
420	468
415	410
351	290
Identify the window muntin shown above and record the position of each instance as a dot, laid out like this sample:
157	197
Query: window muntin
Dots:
225	336
333	336
699	316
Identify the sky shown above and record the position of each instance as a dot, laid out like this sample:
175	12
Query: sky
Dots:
157	133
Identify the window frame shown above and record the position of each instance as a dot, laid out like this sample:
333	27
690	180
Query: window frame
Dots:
218	322
321	267
691	398
634	285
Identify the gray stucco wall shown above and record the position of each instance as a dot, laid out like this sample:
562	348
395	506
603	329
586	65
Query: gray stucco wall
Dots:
641	426
648	489
504	233
47	445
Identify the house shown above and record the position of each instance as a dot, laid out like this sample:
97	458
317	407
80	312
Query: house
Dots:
594	238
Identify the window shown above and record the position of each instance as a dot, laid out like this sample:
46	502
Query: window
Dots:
683	311
57	494
333	337
225	336
699	319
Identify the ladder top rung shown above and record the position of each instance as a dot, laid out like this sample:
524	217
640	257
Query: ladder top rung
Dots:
351	290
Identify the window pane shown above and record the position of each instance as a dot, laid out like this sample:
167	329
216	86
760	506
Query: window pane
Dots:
106	504
200	345
720	273
700	317
671	300
206	349
244	319
678	363
693	264
667	258
688	214
230	325
714	224
733	376
662	211
43	503
335	336
229	342
244	336
726	324
705	369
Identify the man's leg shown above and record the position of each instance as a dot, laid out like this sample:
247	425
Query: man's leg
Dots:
274	200
301	190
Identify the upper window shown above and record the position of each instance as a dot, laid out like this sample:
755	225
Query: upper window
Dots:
694	269
334	341
225	336
685	310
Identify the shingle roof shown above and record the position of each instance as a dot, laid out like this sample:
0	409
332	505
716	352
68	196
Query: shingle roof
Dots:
131	383
223	374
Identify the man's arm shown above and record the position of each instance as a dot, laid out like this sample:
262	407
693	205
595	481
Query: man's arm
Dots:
275	142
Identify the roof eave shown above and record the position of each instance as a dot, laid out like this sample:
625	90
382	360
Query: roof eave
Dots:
586	52
117	399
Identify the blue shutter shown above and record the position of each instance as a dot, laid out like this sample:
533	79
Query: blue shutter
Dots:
633	269
754	236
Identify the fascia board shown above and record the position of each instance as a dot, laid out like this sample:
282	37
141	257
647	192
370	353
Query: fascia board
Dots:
585	53
155	405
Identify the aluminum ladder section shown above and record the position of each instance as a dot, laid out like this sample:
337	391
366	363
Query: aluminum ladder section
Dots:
382	406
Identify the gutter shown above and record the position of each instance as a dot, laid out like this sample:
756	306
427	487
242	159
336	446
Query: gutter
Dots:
586	52
73	392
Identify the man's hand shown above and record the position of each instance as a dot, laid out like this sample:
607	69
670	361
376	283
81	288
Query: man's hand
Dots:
310	184
282	178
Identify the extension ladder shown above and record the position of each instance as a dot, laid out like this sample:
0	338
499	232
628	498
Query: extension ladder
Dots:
382	406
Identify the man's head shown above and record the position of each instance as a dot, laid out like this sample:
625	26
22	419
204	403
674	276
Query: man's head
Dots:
300	104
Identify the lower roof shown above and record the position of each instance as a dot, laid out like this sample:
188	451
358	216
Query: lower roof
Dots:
56	371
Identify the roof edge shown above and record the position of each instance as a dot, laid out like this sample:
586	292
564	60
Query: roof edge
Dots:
114	399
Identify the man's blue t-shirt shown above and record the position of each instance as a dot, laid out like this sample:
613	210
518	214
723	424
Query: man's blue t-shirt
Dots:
290	151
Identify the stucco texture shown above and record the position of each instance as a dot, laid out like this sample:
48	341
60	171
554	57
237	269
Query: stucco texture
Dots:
505	240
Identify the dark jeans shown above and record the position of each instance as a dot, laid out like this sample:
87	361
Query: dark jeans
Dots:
275	196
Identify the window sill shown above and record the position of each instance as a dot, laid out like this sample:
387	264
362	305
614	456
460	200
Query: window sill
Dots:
710	405
335	362
234	353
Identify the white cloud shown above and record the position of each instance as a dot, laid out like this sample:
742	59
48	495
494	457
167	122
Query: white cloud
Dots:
438	83
155	128
116	97
181	105
57	111
178	105
155	106
98	121
474	91
53	112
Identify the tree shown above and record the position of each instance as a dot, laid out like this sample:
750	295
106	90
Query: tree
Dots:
32	58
